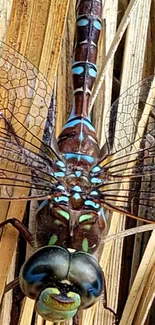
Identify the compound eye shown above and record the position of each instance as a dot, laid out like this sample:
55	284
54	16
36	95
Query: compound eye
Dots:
43	268
44	277
87	276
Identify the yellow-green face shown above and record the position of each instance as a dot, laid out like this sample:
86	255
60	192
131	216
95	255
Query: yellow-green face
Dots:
54	306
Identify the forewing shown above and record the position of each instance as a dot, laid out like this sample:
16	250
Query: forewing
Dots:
130	134
25	97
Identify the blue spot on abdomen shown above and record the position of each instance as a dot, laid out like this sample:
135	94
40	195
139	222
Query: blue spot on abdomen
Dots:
82	22
77	70
92	72
97	25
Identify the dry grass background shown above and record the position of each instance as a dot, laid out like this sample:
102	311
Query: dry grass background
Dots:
43	31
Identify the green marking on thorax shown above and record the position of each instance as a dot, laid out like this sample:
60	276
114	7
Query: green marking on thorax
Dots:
53	240
85	217
87	227
58	222
64	214
85	245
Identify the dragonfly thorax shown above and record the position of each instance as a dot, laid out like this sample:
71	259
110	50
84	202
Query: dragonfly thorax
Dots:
78	178
74	218
77	175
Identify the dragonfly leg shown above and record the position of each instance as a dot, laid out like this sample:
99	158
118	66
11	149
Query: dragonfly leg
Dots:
27	236
21	228
13	284
104	297
18	296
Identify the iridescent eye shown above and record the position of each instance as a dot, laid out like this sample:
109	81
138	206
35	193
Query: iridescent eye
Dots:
86	273
61	282
44	266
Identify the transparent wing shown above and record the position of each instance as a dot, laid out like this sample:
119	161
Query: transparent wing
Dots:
121	122
126	197
130	134
25	97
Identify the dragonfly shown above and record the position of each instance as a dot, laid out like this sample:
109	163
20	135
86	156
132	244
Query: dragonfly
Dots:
75	179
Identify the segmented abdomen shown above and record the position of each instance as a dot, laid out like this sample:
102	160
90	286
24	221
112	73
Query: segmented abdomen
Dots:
88	26
78	135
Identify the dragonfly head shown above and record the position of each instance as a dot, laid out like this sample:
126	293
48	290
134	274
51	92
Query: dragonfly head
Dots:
61	282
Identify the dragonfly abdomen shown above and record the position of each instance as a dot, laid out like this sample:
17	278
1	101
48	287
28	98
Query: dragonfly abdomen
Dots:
88	26
78	135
